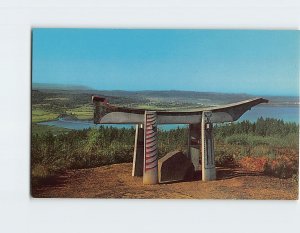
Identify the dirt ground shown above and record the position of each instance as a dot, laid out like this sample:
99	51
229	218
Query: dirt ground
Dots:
115	181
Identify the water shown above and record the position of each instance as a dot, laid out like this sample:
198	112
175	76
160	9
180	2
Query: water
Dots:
79	125
287	114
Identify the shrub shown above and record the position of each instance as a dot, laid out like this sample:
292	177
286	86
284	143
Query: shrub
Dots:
237	139
257	164
40	171
282	167
225	161
261	151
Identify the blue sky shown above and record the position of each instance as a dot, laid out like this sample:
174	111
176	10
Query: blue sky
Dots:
231	61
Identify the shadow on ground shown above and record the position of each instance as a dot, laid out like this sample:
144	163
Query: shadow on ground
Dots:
229	173
223	173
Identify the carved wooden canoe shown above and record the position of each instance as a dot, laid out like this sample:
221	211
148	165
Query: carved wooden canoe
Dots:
105	113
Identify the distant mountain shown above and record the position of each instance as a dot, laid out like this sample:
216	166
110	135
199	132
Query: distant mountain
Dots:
194	97
50	86
166	96
283	100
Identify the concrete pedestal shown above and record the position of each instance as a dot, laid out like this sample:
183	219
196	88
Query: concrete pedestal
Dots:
138	154
194	138
208	154
151	151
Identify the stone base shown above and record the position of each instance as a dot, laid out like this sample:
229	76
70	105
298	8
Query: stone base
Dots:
175	166
209	174
150	178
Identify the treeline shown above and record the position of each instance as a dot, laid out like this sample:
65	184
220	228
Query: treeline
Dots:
269	131
59	101
81	148
262	127
268	145
87	148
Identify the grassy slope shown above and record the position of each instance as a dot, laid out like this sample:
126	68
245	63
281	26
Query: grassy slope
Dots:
43	129
84	112
41	115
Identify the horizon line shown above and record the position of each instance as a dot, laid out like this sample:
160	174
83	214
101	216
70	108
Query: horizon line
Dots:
91	89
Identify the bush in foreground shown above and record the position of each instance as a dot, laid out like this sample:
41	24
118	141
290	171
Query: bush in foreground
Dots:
281	167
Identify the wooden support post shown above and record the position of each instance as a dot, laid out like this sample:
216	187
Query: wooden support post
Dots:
150	150
208	154
138	154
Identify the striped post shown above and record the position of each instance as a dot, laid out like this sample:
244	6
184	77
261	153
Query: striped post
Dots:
150	151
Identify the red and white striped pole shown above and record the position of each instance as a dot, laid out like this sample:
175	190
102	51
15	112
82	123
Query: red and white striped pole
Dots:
150	150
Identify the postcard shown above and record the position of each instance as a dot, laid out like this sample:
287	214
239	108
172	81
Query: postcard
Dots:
165	113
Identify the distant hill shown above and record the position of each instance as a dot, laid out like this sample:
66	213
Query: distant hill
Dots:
283	100
50	86
149	97
205	98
